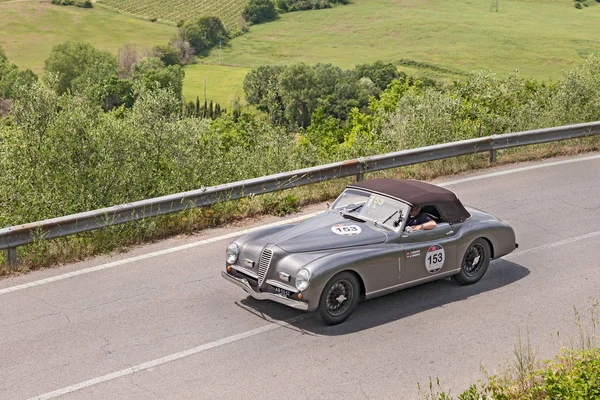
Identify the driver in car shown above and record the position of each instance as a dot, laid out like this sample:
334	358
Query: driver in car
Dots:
418	220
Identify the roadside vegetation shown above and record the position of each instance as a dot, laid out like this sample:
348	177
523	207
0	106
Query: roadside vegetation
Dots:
572	374
95	131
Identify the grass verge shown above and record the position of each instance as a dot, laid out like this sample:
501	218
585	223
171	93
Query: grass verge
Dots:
572	374
48	253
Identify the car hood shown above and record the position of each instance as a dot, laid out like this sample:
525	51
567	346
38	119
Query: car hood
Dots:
328	231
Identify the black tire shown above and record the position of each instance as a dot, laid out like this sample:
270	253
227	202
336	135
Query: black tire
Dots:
475	262
333	309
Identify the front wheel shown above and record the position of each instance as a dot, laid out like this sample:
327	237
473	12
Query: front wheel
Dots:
339	298
475	262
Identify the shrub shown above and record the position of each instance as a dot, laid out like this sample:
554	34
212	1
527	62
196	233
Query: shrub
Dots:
76	3
204	33
257	11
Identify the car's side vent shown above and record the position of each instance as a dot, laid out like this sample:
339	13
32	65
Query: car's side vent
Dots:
263	265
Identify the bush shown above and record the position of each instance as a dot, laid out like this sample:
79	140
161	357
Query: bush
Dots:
257	11
204	33
76	3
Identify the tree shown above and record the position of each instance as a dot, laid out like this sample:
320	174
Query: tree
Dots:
71	60
11	77
298	92
204	33
258	81
382	74
257	11
167	53
128	56
152	73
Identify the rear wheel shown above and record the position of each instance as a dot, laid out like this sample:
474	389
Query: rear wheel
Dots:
339	298
475	262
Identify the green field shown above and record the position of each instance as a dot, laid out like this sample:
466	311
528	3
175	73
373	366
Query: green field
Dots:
29	29
229	11
542	39
439	39
222	83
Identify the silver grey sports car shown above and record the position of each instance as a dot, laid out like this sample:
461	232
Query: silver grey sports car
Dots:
366	245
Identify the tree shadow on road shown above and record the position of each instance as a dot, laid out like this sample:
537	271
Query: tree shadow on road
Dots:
399	305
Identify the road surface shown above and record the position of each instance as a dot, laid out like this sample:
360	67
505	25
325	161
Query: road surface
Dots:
159	322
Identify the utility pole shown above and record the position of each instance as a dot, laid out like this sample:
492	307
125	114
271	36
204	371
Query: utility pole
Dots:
219	52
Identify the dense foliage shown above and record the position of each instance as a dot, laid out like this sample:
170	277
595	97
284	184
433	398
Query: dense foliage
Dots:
257	11
11	78
290	94
76	3
204	33
301	5
62	151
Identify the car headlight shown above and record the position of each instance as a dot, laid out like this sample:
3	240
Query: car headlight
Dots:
302	279
233	251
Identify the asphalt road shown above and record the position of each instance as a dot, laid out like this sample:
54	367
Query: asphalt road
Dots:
165	325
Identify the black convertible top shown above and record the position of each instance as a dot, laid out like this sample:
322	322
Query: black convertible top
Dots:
418	193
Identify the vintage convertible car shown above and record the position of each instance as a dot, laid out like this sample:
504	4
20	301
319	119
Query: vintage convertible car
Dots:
359	248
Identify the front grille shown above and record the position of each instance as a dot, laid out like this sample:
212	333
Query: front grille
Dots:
263	265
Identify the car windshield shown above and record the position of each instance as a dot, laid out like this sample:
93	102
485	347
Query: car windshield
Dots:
370	206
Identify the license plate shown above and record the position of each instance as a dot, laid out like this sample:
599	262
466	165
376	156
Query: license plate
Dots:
283	292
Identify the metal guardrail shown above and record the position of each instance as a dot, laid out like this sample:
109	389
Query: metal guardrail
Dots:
14	236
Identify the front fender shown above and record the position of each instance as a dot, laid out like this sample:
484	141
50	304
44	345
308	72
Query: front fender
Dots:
371	264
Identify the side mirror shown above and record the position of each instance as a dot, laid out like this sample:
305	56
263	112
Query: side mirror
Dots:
407	231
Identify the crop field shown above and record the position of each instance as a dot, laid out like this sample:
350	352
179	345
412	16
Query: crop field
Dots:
29	30
174	10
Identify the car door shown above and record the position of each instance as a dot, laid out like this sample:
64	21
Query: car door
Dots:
428	253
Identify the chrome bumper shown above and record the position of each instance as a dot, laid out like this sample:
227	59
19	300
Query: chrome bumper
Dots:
299	305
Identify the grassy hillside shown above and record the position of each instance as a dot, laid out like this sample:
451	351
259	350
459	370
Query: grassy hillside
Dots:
440	39
541	38
29	30
229	11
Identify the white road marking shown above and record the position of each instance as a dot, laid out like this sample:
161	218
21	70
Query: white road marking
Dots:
151	255
551	245
516	170
169	358
239	233
243	335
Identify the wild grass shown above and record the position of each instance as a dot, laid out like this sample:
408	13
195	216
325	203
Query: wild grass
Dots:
574	373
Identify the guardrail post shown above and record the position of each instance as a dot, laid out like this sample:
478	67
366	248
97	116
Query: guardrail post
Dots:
492	156
12	256
359	177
